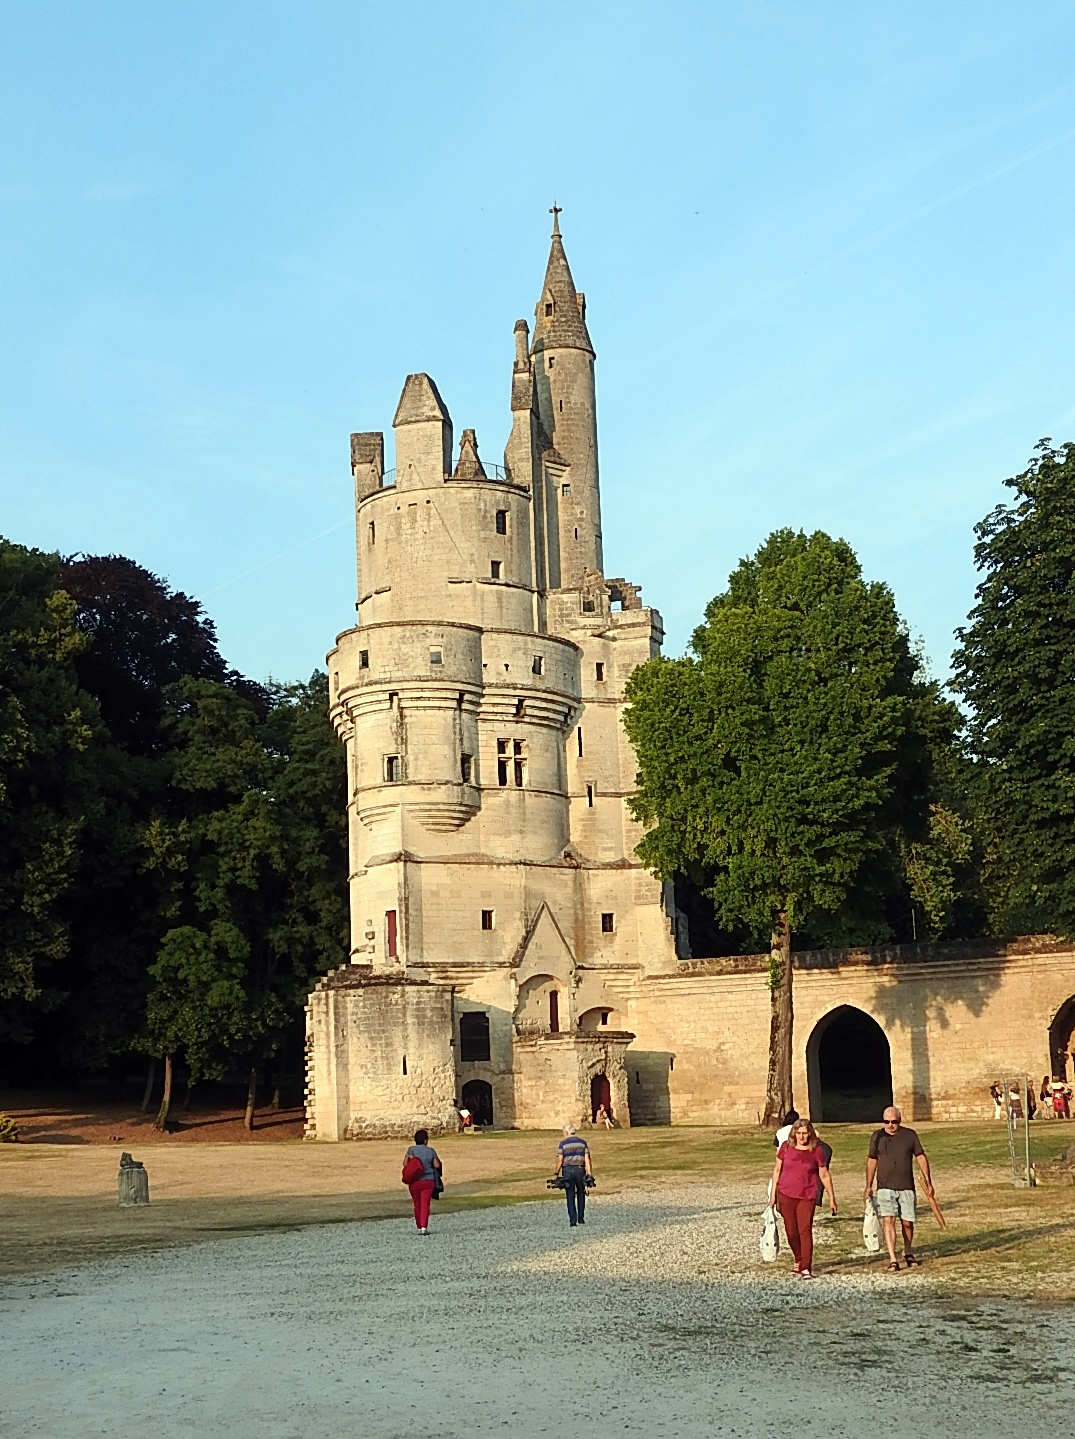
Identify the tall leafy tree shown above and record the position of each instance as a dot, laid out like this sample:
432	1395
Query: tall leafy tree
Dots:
139	637
1015	665
47	725
256	860
784	758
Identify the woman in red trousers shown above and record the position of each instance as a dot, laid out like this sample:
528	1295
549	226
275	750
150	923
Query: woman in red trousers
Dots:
423	1187
800	1163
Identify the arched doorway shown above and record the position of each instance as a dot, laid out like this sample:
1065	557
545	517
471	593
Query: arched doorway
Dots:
1061	1034
478	1098
849	1068
600	1093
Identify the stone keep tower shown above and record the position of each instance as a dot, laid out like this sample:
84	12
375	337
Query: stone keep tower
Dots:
500	922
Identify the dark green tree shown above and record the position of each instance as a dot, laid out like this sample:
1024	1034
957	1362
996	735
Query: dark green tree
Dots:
1015	666
47	726
256	862
785	758
140	637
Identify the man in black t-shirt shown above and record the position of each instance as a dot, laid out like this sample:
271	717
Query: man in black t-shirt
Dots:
892	1152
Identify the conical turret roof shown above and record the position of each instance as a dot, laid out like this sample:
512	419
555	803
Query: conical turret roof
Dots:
560	316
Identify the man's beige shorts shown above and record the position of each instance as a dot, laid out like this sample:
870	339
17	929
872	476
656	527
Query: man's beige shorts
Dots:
896	1204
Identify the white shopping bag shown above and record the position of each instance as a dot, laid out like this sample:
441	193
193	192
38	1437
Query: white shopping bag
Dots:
871	1227
770	1235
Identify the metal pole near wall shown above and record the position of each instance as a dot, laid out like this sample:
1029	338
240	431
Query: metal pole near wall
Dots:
1030	1179
1009	1117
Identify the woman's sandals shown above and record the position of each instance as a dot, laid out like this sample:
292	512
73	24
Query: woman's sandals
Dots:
894	1266
912	1261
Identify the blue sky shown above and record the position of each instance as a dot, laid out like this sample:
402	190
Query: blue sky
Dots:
827	251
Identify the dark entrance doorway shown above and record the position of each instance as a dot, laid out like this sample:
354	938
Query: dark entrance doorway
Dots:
849	1067
1061	1033
600	1093
478	1098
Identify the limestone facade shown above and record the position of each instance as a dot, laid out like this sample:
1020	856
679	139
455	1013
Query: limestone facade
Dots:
507	948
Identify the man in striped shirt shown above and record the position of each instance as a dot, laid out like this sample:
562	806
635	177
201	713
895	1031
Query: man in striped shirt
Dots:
573	1164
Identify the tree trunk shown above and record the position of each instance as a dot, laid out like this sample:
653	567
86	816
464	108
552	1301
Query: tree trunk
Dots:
251	1095
166	1097
275	1097
781	1024
151	1074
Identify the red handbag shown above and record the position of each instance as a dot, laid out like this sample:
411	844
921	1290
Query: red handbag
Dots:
413	1169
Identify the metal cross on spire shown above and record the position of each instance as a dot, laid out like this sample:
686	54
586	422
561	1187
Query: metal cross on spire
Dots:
555	211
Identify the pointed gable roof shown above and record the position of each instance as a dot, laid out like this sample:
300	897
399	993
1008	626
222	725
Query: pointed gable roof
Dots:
544	949
565	328
420	401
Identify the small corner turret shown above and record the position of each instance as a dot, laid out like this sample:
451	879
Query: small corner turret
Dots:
423	429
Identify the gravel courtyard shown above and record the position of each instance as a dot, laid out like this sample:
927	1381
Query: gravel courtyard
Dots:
657	1318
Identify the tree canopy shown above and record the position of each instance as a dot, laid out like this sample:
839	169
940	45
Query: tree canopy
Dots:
788	754
173	856
1015	666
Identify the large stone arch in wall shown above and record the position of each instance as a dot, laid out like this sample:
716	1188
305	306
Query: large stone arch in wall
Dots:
848	1067
1062	1040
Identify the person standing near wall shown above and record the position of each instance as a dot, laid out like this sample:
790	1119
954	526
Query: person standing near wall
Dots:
422	1188
800	1165
573	1164
892	1149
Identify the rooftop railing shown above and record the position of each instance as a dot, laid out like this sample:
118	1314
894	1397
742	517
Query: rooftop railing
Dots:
492	472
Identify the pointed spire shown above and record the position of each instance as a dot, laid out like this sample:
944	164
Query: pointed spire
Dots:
561	312
470	466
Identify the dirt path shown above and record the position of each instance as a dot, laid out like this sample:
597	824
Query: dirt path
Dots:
657	1318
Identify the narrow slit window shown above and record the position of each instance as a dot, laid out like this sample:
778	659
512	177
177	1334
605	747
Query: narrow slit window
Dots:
390	933
561	407
373	533
520	705
494	569
552	361
576	531
580	741
404	1064
554	1011
599	672
466	768
608	923
604	1016
589	795
393	770
538	666
363	659
548	309
518	750
502	762
487	919
501	522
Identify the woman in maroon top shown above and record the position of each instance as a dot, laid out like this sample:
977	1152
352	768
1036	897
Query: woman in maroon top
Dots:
800	1163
